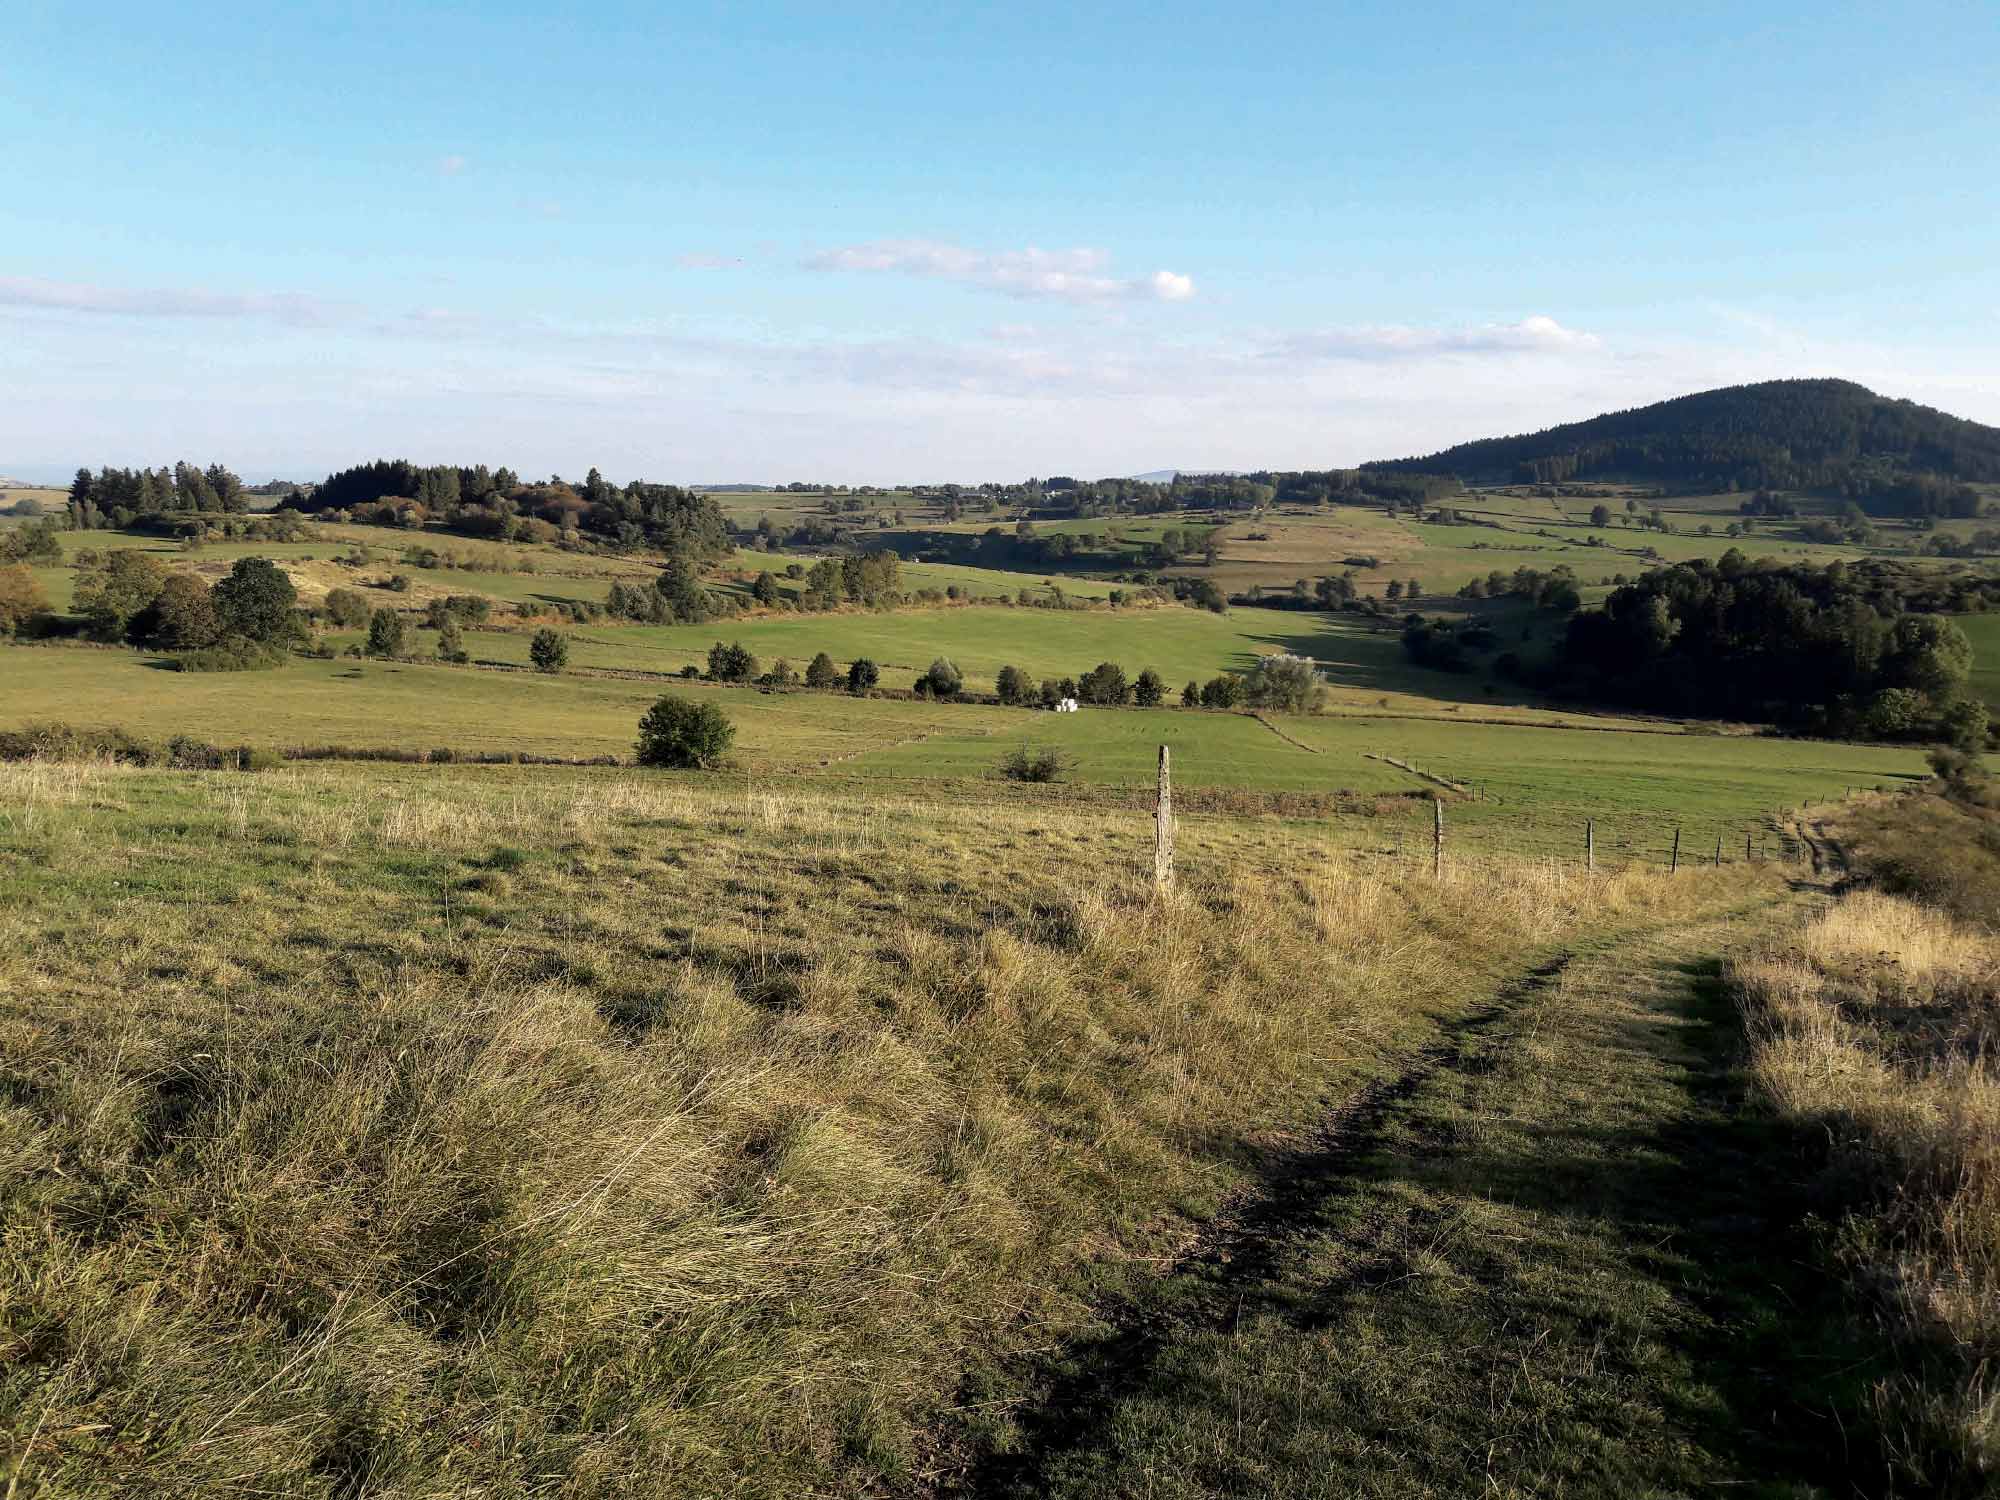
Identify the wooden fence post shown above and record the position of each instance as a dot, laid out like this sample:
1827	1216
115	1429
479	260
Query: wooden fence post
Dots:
1718	851
1589	846
1746	846
1437	838
1674	866
1163	831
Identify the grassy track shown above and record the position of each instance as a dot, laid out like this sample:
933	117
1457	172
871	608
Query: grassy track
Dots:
1551	1257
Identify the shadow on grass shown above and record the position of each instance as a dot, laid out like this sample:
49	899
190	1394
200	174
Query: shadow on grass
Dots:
1427	1301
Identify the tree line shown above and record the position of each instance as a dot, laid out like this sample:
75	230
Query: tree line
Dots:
1849	649
119	497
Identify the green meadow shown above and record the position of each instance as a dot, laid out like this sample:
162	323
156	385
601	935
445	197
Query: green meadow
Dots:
1535	781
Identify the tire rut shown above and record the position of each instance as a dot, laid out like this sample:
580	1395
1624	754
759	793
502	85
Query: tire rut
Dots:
1245	1245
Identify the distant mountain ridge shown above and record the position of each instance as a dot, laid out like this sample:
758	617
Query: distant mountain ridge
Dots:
1779	434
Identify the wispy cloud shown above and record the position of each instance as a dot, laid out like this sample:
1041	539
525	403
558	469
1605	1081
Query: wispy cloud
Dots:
1076	275
1532	335
703	260
81	297
451	165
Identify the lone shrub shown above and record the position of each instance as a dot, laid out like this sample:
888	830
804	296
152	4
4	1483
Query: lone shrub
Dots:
256	600
1104	685
549	650
684	735
347	608
236	653
732	663
863	675
385	633
1148	690
942	678
1291	683
1040	765
822	673
1014	685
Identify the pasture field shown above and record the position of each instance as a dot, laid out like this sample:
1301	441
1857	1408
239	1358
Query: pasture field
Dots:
1538	777
51	500
1984	633
745	564
1178	642
507	573
1442	558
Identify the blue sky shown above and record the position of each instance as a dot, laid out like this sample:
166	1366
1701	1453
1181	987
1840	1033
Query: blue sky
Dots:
875	242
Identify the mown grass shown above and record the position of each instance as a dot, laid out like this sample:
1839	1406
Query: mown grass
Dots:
441	1129
1873	1029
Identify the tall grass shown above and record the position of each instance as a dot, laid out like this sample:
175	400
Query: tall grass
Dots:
1877	1025
503	1131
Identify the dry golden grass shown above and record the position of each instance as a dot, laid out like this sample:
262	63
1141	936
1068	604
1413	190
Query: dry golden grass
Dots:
418	1130
1877	1023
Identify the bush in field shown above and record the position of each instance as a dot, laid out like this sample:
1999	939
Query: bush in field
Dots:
1039	765
822	673
347	608
942	678
466	609
1014	686
111	594
21	599
451	641
780	675
1225	691
1148	691
731	663
1104	685
182	618
1964	724
257	600
1290	683
386	636
549	650
233	653
683	735
1191	695
66	742
862	675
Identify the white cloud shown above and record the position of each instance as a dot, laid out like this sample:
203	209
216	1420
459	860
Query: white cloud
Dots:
1075	275
1538	334
82	297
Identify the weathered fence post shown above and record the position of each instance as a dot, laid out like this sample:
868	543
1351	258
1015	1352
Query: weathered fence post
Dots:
1163	831
1674	864
1437	838
1589	846
1746	846
1718	851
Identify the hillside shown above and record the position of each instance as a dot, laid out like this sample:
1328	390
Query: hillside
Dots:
1781	434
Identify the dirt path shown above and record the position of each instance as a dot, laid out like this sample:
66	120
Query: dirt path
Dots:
1555	1256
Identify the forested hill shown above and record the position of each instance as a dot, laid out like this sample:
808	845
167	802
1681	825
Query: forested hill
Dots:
1782	434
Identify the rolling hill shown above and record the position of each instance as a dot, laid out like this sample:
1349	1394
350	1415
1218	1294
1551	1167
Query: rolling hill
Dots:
1781	434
